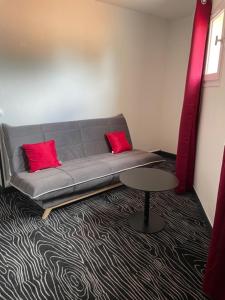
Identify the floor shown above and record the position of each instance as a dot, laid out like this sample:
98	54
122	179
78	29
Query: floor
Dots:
88	251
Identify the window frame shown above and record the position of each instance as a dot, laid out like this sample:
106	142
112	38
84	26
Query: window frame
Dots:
213	79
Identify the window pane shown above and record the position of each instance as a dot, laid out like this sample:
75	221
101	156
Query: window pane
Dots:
214	47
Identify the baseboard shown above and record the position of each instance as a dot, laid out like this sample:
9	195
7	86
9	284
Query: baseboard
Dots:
165	154
153	150
203	210
173	156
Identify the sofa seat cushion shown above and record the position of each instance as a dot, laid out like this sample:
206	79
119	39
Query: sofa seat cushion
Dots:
37	184
129	159
79	174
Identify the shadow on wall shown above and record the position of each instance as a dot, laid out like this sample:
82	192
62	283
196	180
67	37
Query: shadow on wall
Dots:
62	88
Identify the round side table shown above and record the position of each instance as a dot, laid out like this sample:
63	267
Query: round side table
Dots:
150	181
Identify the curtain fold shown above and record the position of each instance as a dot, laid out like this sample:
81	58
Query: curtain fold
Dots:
186	150
214	280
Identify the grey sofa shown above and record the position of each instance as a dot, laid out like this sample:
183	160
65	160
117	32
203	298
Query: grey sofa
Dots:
88	166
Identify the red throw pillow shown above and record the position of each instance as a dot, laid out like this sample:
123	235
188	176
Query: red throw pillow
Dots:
41	155
118	141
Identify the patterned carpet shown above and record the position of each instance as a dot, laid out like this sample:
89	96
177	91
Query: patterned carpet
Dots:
88	251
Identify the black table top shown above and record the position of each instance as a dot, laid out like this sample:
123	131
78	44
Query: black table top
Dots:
149	180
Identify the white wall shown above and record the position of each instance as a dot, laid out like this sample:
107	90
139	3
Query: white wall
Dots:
211	135
211	141
99	75
143	84
178	48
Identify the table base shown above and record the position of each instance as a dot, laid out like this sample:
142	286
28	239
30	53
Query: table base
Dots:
155	223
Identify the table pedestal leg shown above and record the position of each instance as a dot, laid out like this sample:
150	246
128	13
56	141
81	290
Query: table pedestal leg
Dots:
146	208
147	221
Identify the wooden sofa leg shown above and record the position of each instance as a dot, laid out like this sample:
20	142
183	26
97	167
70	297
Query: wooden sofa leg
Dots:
46	213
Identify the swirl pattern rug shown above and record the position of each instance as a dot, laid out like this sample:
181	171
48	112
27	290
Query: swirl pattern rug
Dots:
88	251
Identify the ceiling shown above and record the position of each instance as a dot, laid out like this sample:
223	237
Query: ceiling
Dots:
168	9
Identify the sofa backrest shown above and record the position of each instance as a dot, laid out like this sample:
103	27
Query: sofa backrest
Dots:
74	139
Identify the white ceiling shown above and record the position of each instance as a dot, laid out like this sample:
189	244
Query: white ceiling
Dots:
168	9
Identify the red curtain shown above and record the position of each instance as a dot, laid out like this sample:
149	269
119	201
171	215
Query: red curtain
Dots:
214	281
189	119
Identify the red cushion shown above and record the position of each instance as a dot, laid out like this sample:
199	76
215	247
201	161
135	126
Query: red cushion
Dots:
41	155
118	141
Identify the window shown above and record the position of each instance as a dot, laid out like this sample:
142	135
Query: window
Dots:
215	45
